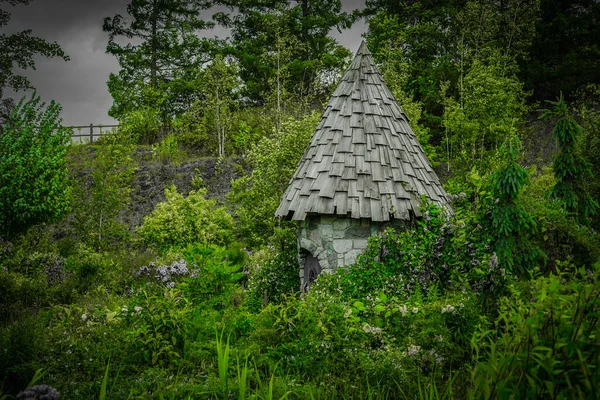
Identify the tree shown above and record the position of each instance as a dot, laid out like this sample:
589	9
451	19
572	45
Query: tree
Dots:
220	81
287	46
511	225
274	159
18	50
565	50
162	69
570	168
33	176
431	43
476	123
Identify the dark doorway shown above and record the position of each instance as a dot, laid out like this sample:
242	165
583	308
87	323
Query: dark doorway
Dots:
312	269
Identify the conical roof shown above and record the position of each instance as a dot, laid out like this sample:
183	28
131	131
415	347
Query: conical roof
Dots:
364	160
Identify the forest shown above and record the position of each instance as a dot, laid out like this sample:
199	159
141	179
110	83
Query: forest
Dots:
150	265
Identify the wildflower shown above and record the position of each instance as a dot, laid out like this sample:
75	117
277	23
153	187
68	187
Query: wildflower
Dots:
371	329
170	285
415	310
84	317
137	309
347	313
447	309
413	350
403	310
124	309
493	261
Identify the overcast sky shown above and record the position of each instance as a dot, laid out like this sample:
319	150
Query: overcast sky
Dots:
79	85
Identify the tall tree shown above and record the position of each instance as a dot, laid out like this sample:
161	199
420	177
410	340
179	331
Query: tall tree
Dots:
565	53
570	168
18	50
160	64
287	46
220	81
34	186
511	225
432	42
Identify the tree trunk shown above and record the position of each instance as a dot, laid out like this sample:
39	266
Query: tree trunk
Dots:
154	46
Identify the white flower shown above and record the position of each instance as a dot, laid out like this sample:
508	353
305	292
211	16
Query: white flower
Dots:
347	313
447	309
371	329
415	310
413	350
84	317
403	310
124	309
137	309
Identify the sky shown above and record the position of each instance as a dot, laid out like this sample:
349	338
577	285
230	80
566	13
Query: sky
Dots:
79	85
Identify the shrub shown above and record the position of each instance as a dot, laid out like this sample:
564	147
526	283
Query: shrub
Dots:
33	175
105	192
141	126
256	197
179	221
571	169
274	271
510	225
545	341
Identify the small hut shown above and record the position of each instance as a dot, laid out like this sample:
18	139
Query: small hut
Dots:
363	171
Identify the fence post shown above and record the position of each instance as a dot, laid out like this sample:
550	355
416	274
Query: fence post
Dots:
91	133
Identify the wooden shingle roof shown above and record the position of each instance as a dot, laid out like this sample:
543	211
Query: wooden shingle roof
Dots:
364	160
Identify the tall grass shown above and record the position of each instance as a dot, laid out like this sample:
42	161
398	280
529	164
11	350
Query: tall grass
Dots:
223	364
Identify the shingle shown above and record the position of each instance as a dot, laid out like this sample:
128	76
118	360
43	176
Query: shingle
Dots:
364	159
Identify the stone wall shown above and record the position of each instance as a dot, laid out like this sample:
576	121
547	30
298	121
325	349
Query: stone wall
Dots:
336	241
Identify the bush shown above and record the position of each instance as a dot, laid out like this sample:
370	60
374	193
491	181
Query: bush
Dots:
274	160
274	271
180	221
141	126
545	341
33	175
103	193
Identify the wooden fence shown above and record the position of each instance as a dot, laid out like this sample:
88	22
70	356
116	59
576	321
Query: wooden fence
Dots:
90	131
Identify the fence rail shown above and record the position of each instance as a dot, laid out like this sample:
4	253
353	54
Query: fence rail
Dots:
91	131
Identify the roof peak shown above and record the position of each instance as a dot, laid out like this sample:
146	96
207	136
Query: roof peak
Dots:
364	160
363	49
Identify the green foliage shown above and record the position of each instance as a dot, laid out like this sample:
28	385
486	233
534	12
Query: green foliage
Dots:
477	123
558	235
510	224
410	261
274	160
179	221
157	329
161	70
274	270
286	48
436	47
101	198
167	149
19	49
545	341
141	125
33	175
219	270
219	84
570	168
588	108
563	49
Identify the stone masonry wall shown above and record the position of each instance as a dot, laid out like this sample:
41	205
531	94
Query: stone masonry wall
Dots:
335	241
